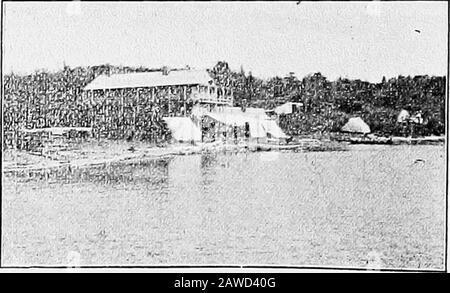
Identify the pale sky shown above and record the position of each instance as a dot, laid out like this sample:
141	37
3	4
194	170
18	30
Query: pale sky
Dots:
364	40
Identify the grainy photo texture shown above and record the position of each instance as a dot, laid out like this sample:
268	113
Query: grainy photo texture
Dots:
285	134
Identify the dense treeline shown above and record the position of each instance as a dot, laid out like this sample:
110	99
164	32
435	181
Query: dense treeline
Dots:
53	99
328	104
45	99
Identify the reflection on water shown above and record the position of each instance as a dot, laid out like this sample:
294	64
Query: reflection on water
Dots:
372	206
208	160
145	171
207	163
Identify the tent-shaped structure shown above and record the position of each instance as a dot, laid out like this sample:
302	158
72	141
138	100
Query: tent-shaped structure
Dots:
403	116
356	125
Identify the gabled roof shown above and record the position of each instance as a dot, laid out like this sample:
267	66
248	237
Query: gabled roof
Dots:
150	79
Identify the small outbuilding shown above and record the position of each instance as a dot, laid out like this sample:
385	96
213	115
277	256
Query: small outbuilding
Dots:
356	125
288	108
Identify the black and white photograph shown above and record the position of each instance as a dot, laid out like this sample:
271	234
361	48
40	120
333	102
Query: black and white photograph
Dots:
285	135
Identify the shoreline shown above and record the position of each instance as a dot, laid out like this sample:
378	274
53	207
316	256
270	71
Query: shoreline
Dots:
93	154
397	140
101	153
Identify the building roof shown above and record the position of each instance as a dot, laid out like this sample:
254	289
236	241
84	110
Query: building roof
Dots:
260	124
150	79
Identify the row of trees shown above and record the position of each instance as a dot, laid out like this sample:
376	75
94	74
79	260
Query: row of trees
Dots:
328	104
46	99
54	99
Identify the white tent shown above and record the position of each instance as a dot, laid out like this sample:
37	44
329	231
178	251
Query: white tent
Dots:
356	125
256	129
183	129
228	119
403	116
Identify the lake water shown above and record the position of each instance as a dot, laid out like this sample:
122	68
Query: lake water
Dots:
369	204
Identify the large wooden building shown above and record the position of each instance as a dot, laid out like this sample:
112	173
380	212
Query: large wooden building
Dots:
132	106
182	105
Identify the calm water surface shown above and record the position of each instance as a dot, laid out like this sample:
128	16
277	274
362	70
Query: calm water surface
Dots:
309	209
